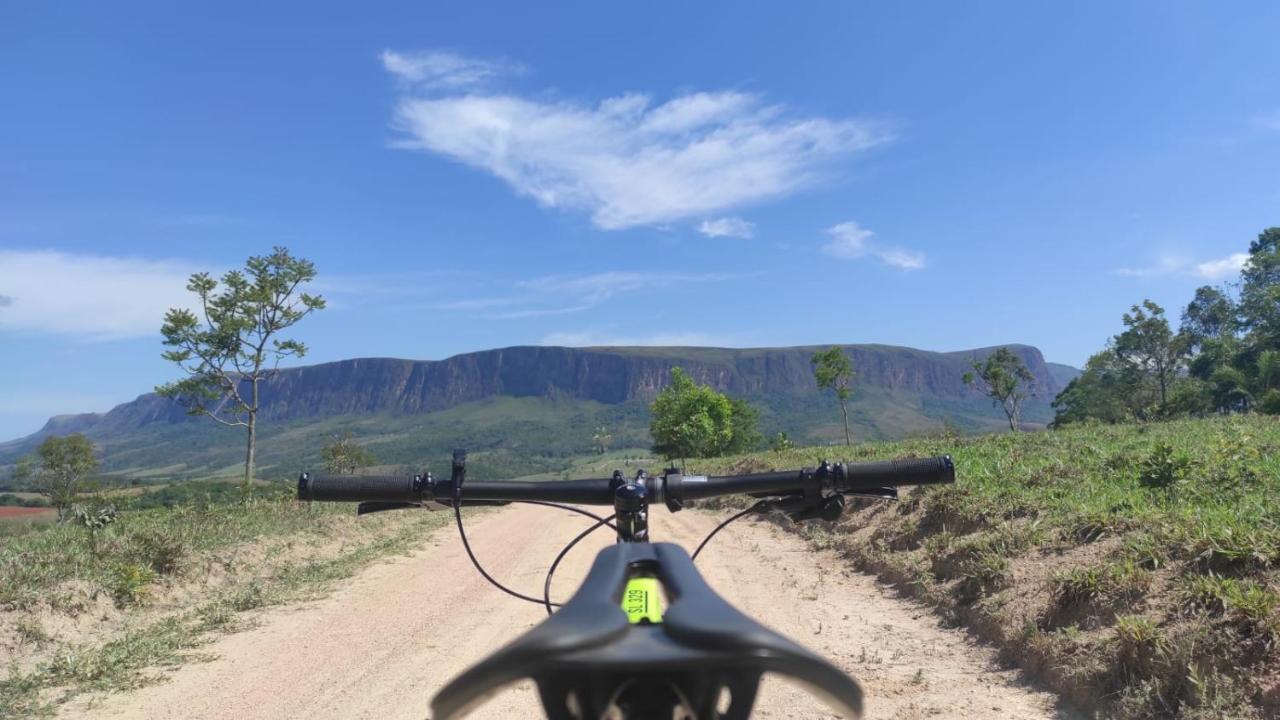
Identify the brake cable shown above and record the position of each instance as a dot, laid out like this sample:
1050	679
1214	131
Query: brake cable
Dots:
756	507
546	600
765	504
600	522
546	586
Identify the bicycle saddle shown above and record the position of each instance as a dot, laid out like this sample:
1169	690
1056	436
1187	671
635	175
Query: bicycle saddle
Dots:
700	659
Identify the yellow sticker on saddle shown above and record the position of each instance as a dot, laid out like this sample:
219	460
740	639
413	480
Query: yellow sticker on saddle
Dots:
642	600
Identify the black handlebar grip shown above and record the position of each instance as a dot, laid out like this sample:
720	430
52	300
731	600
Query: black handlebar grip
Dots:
359	488
891	473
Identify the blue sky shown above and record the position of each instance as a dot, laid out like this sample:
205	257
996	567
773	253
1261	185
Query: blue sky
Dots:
473	175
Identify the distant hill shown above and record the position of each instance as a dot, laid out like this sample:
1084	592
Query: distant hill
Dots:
528	408
1063	374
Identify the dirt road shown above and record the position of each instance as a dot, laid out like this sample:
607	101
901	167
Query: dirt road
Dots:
381	645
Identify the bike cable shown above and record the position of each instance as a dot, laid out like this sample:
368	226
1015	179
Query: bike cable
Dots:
757	507
462	533
546	586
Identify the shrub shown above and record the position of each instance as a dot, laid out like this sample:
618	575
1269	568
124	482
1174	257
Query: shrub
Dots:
1164	467
160	550
129	583
1270	402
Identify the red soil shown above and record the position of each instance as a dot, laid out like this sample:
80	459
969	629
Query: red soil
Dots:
8	511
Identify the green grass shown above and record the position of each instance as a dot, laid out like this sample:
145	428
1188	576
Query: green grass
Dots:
148	552
1075	549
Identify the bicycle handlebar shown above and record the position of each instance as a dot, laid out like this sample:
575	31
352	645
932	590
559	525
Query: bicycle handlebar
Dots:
856	477
590	653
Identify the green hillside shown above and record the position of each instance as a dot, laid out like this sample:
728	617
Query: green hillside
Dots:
510	437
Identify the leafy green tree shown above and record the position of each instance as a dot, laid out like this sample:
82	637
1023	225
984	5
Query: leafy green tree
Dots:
64	466
1267	382
744	421
833	370
1210	316
1005	379
1096	394
1229	389
232	346
343	455
1102	392
690	420
1260	291
1149	345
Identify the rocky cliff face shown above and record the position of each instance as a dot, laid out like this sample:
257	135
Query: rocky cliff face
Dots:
606	375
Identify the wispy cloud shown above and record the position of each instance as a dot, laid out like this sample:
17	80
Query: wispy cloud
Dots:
626	160
88	296
565	294
1219	269
727	227
851	241
591	338
101	298
444	70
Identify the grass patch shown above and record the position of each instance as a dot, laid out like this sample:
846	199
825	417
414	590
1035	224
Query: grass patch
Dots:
145	545
1133	567
1092	594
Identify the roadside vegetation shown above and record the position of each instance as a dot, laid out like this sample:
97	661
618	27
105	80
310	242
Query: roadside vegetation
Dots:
87	605
1134	567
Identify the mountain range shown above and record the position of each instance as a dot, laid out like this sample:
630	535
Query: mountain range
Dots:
528	408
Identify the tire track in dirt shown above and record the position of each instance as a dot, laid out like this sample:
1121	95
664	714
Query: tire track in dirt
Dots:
383	643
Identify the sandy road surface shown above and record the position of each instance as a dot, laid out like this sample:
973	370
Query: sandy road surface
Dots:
382	644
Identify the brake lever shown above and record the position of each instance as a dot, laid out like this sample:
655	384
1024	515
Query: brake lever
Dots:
828	508
884	493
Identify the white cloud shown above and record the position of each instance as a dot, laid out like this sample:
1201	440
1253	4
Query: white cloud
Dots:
727	227
565	294
1222	268
589	338
850	241
1219	269
626	160
443	70
88	296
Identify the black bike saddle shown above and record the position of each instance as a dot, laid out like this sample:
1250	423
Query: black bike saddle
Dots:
700	659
